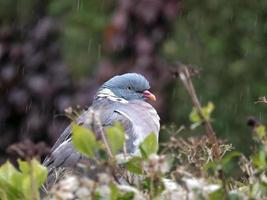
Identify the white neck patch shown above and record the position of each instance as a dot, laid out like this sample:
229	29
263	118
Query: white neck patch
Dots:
107	93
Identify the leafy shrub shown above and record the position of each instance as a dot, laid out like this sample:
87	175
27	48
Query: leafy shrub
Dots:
23	183
183	169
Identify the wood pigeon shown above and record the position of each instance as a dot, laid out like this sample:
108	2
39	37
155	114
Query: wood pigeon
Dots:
121	99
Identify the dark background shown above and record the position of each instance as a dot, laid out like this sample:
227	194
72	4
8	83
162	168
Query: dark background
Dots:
54	54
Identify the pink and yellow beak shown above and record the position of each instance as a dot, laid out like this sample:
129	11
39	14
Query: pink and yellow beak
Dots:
149	95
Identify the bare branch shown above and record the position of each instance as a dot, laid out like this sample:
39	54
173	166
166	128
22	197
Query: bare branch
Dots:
185	77
103	136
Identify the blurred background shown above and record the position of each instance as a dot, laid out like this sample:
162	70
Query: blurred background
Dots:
54	54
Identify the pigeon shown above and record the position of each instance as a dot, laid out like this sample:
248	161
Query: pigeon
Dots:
122	99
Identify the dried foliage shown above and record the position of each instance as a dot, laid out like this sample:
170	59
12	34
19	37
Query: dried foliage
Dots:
27	150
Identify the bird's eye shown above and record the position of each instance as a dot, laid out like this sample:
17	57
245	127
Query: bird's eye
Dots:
129	88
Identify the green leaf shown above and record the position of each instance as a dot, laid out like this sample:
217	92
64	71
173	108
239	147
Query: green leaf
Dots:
230	156
211	167
260	160
261	131
116	138
149	145
135	165
218	194
9	192
35	169
228	164
194	117
10	182
23	184
84	140
127	196
40	172
34	176
207	110
115	193
10	174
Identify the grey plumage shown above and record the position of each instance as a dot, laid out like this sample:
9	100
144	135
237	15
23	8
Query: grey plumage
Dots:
137	117
113	103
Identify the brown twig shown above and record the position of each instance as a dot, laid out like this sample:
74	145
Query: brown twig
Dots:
103	136
118	172
185	77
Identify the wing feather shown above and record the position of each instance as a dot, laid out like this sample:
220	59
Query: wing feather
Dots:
137	117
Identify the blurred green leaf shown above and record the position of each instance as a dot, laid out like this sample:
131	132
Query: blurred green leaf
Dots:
196	119
37	171
34	176
149	145
259	159
230	156
116	138
84	140
9	192
127	196
207	110
193	116
210	168
218	194
10	174
261	131
10	182
116	194
230	164
23	184
135	165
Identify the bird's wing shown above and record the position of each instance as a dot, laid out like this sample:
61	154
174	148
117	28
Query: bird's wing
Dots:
137	117
144	120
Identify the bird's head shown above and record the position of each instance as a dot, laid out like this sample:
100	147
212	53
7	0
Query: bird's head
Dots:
130	86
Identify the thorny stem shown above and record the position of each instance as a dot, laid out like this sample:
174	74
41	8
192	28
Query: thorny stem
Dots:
184	76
